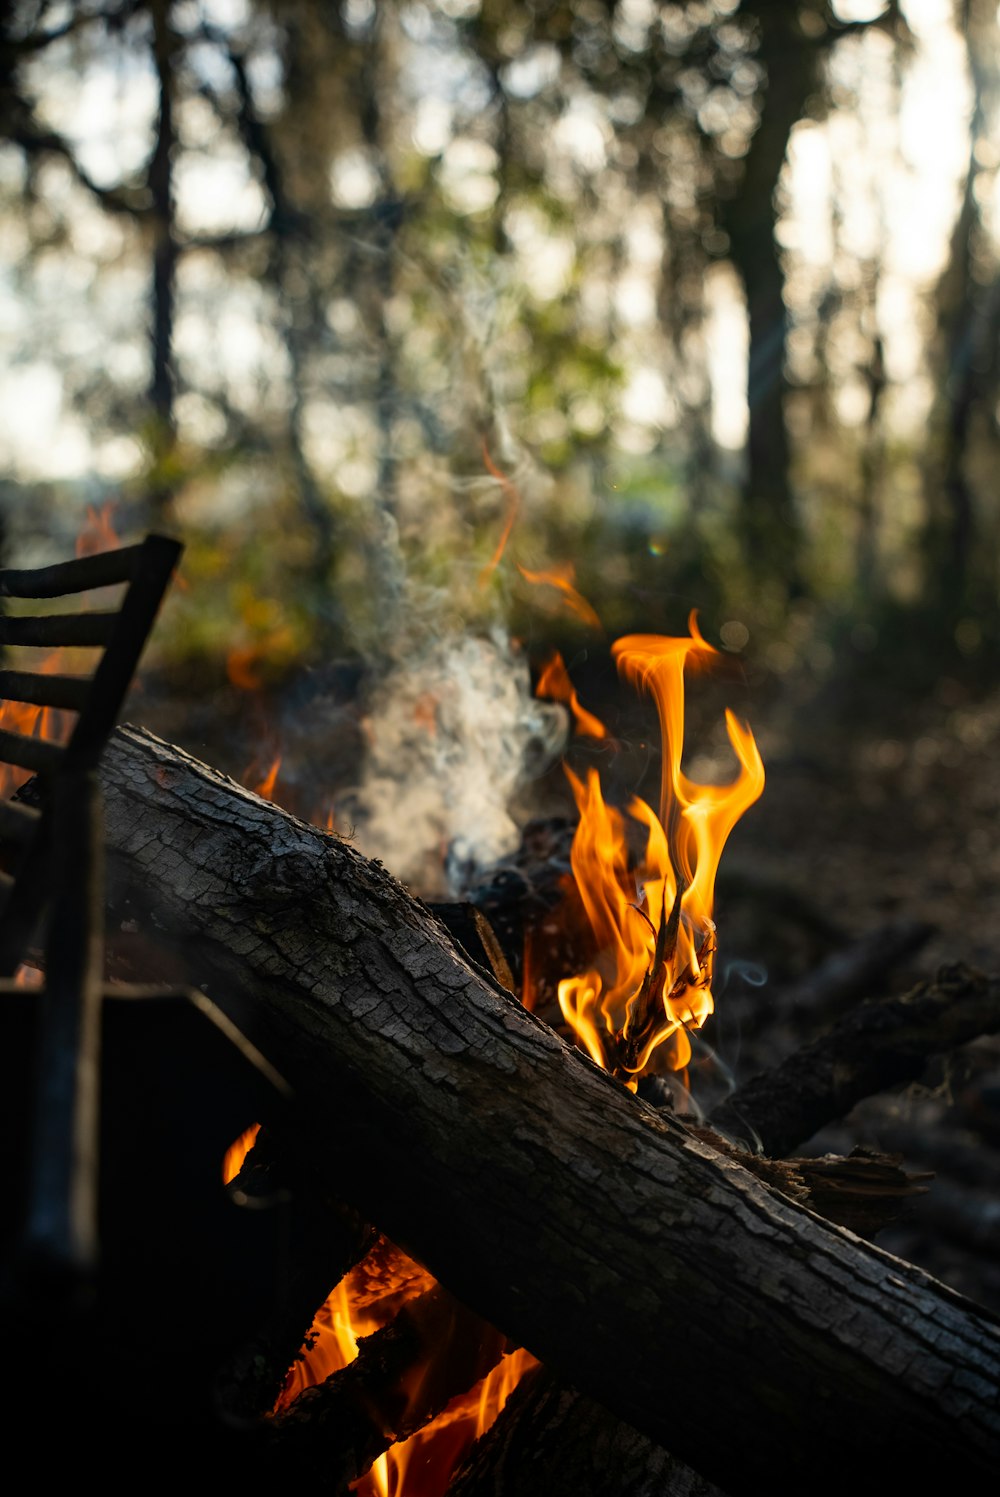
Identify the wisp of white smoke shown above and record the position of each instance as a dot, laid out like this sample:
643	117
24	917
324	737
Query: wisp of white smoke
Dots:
453	735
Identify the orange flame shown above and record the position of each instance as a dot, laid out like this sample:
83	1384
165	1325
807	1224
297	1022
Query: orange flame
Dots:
554	681
265	788
241	663
34	722
652	919
238	1150
561	577
365	1300
513	497
98	533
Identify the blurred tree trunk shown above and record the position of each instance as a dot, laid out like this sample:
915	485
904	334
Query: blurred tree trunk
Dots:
792	47
792	63
160	183
385	561
288	271
968	311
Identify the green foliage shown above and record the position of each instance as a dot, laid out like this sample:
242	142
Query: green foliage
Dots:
330	284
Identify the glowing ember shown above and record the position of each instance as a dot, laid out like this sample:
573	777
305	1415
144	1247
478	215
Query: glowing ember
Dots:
651	917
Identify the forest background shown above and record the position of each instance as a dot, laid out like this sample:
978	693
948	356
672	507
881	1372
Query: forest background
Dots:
715	285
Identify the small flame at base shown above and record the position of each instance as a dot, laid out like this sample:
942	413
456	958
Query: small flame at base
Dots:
364	1301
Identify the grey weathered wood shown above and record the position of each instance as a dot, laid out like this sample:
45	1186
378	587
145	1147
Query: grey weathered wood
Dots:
756	1342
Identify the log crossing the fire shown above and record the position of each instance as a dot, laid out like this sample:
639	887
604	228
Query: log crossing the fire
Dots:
757	1343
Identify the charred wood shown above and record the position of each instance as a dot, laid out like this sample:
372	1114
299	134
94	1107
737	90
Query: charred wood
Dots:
548	1438
544	1426
922	1131
323	1240
403	1376
669	1283
864	1190
876	1046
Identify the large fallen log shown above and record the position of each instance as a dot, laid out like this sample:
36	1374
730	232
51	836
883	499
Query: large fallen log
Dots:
722	1320
538	1436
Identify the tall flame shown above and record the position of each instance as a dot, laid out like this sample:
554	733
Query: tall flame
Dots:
651	914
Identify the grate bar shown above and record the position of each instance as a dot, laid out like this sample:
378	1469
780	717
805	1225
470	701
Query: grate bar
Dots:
78	576
49	630
65	692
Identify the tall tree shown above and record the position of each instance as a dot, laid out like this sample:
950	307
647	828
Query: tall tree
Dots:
967	336
792	47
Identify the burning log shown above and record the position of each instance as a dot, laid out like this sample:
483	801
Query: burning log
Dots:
394	1387
545	1426
323	1241
680	1291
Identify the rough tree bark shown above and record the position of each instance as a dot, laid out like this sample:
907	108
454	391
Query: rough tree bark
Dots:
723	1321
550	1438
548	1430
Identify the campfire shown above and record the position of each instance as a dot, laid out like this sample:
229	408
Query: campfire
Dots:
490	1207
647	897
647	900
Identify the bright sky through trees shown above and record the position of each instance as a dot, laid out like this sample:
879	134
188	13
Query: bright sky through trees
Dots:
889	169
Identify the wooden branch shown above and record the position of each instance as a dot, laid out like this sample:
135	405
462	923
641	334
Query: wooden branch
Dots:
877	1045
668	1282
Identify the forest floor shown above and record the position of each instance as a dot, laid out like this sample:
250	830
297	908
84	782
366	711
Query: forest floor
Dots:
880	804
